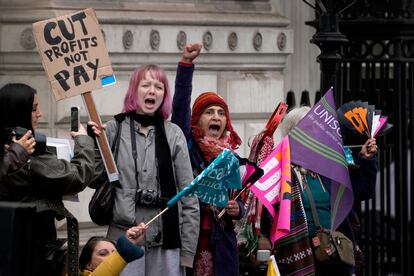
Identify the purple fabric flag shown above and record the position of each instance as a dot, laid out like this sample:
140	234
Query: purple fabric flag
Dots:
316	144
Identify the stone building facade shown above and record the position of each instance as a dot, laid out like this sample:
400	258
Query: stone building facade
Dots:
253	52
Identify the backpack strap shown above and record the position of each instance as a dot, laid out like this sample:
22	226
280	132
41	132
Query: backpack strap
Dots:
134	148
119	118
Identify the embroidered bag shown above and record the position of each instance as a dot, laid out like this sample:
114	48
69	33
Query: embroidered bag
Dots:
330	247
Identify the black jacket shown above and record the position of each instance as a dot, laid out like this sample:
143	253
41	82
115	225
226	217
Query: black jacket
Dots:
43	180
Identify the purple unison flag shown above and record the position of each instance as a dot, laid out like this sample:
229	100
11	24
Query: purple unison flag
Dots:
316	144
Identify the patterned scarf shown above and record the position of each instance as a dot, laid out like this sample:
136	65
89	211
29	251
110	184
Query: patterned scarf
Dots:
248	228
210	147
293	252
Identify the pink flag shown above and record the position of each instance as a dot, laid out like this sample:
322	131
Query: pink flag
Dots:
274	187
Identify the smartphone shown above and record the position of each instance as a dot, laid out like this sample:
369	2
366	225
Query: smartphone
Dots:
74	118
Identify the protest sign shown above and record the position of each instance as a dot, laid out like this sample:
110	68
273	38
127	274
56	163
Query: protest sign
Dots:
73	53
74	56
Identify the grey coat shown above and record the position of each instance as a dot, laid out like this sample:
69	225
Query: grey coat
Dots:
126	213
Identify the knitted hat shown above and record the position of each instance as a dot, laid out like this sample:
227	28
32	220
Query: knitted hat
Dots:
207	99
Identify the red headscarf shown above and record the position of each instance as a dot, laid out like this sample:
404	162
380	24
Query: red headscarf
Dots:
202	102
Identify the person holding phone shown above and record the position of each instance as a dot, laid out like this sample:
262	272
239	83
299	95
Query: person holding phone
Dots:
44	178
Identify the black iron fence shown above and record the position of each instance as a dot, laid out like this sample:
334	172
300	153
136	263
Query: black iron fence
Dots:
367	53
377	71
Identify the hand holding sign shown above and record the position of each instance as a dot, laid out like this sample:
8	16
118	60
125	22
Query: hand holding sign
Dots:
76	61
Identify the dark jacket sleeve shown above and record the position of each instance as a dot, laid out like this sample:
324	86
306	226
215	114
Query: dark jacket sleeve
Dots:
55	177
14	157
181	106
364	178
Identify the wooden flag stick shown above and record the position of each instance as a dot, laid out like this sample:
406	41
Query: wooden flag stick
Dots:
154	218
103	144
354	146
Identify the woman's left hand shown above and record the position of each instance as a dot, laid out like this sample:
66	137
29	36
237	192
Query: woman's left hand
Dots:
232	208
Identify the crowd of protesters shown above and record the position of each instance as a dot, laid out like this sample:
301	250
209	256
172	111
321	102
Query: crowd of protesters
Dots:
157	156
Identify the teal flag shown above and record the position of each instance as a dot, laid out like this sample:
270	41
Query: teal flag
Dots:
212	184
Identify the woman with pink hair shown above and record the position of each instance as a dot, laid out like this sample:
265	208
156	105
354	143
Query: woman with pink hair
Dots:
153	163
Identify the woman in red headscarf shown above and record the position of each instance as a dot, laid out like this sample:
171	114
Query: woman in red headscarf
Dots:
208	130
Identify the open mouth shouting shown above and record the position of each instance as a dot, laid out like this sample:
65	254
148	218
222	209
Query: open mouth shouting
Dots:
214	130
149	103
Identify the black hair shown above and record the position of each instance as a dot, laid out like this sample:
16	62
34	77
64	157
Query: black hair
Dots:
87	250
16	104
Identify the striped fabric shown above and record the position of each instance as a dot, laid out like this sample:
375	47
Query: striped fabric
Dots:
293	252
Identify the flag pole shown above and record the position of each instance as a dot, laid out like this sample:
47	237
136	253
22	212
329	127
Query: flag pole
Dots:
354	146
154	218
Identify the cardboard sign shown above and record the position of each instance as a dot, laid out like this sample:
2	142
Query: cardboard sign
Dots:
73	53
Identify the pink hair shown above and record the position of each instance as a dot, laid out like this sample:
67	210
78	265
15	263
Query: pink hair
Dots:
131	102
